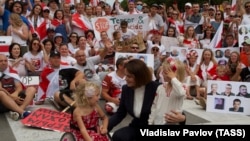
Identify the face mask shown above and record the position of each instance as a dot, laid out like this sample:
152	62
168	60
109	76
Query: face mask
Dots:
139	7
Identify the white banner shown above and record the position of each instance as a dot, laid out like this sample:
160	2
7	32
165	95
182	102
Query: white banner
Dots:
136	22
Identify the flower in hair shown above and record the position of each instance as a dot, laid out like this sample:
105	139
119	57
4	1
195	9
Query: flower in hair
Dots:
89	91
171	62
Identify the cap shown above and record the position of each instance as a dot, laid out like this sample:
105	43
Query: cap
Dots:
188	4
155	5
211	7
161	6
155	45
222	62
54	54
144	5
50	30
58	35
45	8
154	31
246	42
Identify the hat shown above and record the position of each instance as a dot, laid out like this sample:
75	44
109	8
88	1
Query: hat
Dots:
155	5
58	35
144	5
222	62
246	42
188	4
161	6
54	54
211	7
45	8
50	30
154	31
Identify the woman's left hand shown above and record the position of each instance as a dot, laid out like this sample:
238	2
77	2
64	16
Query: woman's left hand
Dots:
174	117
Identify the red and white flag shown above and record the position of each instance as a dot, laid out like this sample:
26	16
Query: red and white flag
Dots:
217	39
40	31
9	71
233	5
49	82
94	2
78	21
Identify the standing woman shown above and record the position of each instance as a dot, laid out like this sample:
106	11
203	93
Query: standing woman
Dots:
38	24
190	39
61	25
19	31
16	60
207	38
207	68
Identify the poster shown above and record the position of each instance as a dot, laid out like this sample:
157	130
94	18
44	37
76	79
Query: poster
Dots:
48	119
228	97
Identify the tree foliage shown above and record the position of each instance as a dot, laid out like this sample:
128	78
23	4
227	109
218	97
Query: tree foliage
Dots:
180	3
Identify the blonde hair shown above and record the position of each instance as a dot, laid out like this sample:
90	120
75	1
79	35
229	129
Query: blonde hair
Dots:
177	66
84	92
16	20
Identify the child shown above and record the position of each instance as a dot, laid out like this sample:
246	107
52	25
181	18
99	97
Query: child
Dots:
85	125
170	94
221	73
192	78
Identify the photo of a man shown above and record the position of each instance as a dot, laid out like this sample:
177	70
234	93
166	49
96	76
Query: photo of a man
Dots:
236	106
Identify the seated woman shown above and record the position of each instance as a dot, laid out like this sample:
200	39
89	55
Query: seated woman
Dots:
192	79
16	61
234	66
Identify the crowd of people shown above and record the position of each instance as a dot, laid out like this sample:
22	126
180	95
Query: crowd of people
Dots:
56	41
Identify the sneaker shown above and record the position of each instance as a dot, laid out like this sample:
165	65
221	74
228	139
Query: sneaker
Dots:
25	114
14	115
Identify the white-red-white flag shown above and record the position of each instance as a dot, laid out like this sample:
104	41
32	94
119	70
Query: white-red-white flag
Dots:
233	5
49	82
217	40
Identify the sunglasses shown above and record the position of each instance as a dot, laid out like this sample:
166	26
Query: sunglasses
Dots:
46	11
155	49
134	47
35	43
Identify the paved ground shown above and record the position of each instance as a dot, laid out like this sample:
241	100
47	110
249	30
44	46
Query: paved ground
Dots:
15	131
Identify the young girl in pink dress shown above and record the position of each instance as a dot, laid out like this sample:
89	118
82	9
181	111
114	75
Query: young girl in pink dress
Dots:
85	124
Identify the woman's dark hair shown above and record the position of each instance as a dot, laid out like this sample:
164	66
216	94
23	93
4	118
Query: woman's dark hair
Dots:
55	14
91	31
69	40
52	43
10	49
14	3
31	43
173	29
140	70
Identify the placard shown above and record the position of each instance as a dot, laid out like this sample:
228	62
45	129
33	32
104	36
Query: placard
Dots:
48	119
5	42
224	96
30	80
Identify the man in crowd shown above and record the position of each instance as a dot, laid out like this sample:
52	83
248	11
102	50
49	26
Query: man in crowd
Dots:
19	97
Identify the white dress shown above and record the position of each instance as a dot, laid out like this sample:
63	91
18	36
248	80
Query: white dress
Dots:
164	104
